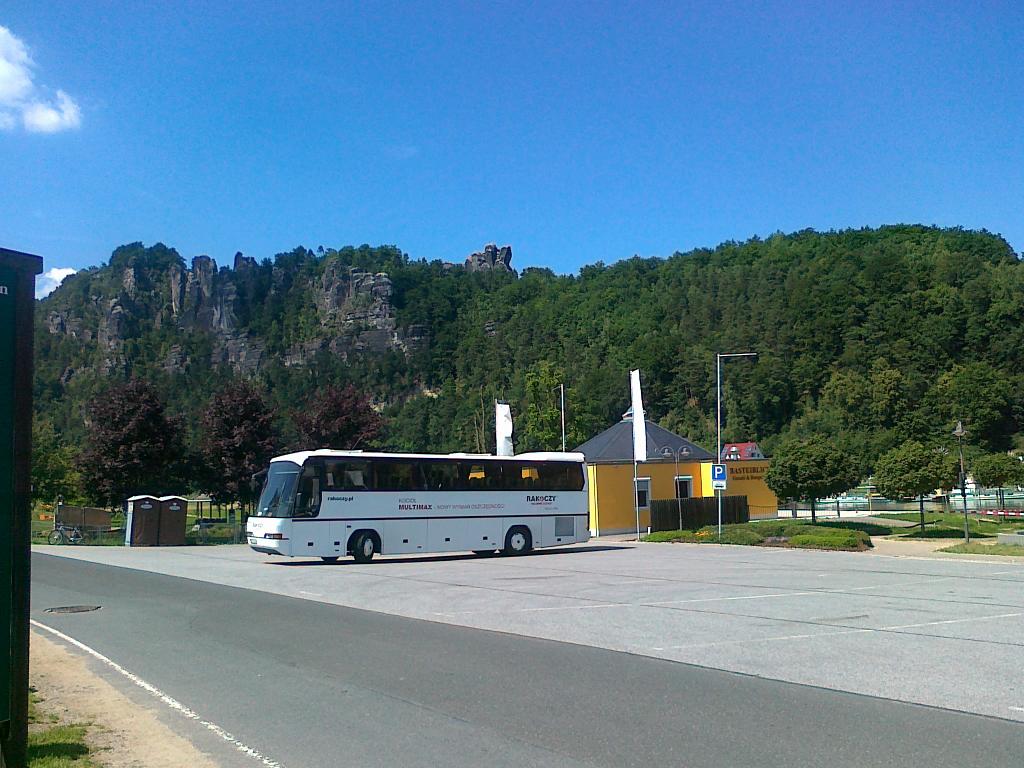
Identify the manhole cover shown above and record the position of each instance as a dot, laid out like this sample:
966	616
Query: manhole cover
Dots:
73	609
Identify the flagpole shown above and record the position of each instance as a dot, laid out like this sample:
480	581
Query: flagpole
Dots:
636	502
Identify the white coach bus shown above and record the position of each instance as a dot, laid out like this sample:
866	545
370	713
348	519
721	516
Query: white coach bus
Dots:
328	504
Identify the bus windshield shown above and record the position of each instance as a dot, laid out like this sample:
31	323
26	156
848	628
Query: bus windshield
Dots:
278	495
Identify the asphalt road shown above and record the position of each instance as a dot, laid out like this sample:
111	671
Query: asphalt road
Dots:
943	633
313	684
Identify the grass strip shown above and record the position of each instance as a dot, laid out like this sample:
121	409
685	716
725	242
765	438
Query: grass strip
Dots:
1011	550
54	745
59	746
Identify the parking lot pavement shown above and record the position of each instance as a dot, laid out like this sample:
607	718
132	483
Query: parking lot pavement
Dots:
936	632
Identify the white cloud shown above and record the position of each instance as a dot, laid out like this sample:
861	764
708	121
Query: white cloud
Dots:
45	118
47	282
21	97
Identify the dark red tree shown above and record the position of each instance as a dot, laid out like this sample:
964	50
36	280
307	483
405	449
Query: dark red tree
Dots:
238	439
337	418
132	446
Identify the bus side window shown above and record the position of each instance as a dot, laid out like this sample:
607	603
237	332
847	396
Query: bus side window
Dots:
440	476
561	476
397	476
309	493
530	476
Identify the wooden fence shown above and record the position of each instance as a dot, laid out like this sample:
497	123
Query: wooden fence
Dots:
697	512
83	517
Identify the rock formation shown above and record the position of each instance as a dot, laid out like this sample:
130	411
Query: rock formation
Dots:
491	258
354	308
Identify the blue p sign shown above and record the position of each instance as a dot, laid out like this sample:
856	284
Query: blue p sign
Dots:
719	477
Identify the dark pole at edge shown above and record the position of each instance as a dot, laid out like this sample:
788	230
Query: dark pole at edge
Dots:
26	266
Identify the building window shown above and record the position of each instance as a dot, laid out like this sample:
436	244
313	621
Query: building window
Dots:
684	486
643	492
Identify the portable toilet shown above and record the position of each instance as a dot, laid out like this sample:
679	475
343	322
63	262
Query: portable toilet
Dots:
171	532
142	521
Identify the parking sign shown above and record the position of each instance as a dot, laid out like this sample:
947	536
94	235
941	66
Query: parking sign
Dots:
719	477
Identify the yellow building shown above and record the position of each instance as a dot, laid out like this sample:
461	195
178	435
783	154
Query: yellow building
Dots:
676	465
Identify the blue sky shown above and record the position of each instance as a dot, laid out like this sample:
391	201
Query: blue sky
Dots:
576	132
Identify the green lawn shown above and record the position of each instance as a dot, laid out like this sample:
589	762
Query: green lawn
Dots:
977	523
1011	550
946	533
55	746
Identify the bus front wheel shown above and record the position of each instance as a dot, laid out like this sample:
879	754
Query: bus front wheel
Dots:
518	541
364	548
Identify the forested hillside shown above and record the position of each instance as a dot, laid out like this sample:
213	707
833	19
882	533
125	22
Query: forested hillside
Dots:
867	336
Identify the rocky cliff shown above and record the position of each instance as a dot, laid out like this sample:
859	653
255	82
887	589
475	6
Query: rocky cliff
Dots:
352	306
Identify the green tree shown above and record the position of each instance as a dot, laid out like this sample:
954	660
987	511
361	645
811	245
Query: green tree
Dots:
912	470
541	421
132	446
238	439
996	470
981	396
810	469
53	465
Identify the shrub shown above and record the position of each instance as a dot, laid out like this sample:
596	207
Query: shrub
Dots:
773	527
743	536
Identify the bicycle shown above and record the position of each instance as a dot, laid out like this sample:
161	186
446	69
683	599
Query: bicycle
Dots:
65	534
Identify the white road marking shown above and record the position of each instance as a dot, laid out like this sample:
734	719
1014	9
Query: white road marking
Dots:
810	636
755	640
168	700
735	597
954	621
534	610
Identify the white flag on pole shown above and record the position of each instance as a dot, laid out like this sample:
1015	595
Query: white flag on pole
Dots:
639	420
503	428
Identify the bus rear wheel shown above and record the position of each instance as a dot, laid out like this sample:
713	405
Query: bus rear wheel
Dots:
364	548
518	541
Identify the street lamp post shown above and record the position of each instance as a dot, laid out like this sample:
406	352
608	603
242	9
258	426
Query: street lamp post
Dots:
959	433
676	453
561	396
718	454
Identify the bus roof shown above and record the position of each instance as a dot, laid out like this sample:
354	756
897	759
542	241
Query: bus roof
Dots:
300	457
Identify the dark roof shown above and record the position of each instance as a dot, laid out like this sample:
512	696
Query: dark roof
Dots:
615	444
